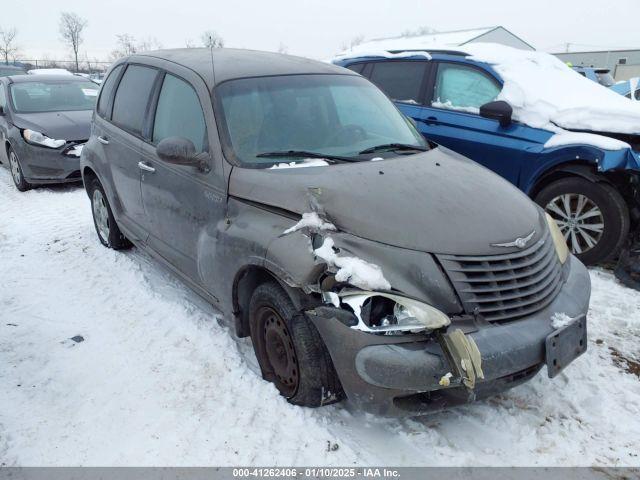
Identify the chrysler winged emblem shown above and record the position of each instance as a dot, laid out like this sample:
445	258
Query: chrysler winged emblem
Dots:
518	242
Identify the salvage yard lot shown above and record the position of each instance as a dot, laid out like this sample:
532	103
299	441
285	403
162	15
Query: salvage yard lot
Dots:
154	377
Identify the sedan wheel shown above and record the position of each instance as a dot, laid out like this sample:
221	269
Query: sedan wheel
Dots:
101	215
16	172
580	221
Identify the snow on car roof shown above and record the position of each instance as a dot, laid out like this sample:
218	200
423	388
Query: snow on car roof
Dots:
543	91
49	71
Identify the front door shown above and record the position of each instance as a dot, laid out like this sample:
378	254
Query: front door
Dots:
450	117
183	203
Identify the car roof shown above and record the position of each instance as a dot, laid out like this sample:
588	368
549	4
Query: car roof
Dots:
45	78
232	63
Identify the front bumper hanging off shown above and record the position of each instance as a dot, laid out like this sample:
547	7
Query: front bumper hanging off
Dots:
403	375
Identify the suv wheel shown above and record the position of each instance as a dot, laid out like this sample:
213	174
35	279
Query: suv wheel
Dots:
108	232
593	217
289	349
16	172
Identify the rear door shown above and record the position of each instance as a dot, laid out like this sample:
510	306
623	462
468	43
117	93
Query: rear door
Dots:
183	203
121	140
404	81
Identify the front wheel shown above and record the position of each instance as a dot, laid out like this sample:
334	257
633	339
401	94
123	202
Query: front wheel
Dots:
593	217
108	232
289	349
16	172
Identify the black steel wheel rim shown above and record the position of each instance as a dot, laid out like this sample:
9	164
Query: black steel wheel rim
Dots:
279	351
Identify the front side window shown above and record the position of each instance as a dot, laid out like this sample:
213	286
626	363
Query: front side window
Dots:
327	114
3	98
463	87
132	97
179	113
402	81
53	96
107	90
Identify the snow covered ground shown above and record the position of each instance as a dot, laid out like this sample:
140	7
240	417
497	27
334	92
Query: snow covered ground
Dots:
158	380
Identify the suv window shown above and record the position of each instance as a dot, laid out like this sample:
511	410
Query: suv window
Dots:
3	96
356	67
401	81
132	97
179	113
107	91
463	87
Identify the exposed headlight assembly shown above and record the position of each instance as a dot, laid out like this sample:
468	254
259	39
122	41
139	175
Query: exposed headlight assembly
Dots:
385	313
558	239
37	138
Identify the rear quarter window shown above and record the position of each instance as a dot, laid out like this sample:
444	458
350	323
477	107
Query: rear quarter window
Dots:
106	92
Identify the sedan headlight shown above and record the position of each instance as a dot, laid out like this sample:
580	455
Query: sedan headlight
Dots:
558	239
37	138
385	313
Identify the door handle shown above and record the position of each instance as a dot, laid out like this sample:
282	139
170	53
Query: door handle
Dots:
103	140
431	120
146	167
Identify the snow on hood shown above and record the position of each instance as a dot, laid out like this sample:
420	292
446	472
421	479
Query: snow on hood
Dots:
543	91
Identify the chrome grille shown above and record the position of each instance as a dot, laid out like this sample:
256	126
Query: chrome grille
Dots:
508	286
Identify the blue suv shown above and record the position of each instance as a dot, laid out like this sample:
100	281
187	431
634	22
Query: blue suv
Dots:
591	192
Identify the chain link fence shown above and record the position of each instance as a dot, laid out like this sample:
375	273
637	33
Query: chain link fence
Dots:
84	66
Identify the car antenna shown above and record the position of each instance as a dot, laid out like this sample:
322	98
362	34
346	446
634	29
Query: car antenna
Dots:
213	70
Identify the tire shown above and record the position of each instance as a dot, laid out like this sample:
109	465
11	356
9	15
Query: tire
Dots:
16	172
605	222
106	227
289	349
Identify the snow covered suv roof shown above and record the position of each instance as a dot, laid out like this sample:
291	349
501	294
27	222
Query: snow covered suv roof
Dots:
543	91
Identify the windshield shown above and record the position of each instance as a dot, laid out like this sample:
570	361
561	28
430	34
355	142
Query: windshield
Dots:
53	96
335	115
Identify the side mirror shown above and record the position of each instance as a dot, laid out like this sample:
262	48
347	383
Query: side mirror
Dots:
182	151
498	110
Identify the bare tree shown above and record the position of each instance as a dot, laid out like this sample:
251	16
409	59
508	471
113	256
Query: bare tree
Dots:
282	48
71	27
126	46
7	45
424	30
188	43
210	39
354	42
151	43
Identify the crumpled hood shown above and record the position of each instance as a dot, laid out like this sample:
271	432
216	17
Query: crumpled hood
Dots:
436	202
73	125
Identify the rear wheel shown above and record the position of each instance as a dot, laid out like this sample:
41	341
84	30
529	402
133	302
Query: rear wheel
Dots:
16	172
593	217
108	232
289	349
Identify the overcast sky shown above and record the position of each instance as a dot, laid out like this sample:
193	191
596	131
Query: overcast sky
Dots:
316	28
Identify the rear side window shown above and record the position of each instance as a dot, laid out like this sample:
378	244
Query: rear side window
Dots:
132	97
463	87
357	67
401	81
107	91
179	113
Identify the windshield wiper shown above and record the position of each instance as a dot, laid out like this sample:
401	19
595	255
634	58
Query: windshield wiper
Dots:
394	146
306	154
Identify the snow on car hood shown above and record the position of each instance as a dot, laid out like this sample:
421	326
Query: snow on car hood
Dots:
72	125
543	91
437	202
